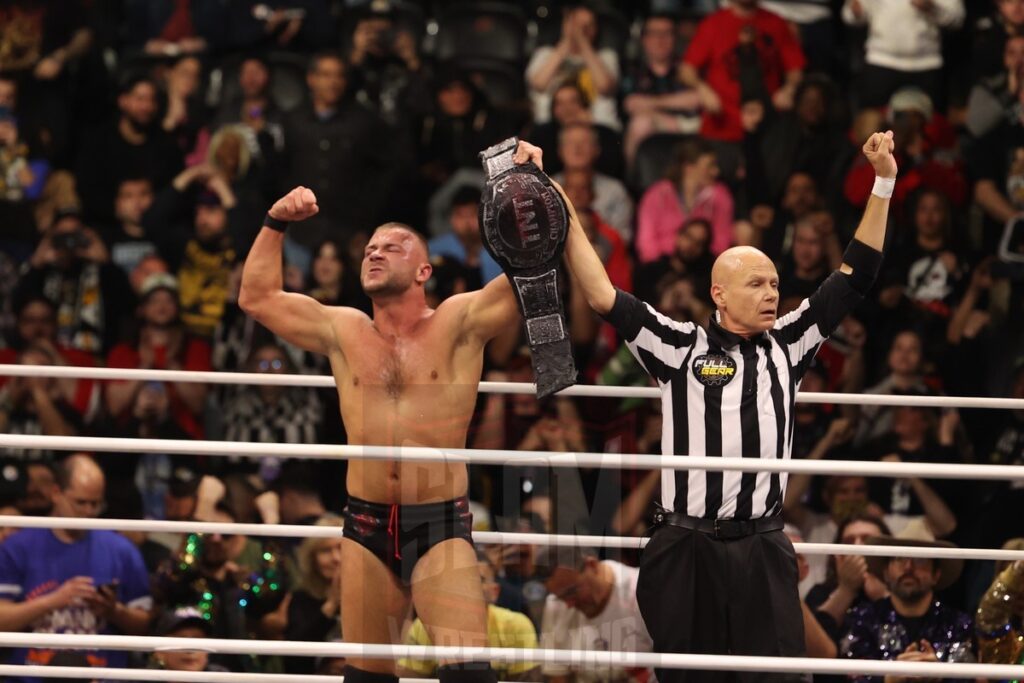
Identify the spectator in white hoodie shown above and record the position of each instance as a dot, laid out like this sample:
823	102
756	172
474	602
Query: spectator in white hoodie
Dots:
904	45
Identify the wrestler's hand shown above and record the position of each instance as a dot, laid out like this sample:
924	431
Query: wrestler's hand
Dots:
527	152
878	150
297	205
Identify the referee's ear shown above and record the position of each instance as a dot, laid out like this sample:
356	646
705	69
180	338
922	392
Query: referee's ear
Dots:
718	295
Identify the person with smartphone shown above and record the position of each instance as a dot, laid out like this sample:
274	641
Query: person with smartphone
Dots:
73	581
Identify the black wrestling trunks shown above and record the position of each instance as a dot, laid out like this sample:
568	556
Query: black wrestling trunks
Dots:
401	534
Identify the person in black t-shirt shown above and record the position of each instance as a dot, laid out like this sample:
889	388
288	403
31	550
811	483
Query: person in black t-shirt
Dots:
917	435
996	163
134	147
125	236
931	268
990	36
313	607
690	257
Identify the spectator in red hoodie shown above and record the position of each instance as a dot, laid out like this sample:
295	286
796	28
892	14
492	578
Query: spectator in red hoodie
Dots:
162	344
36	325
741	54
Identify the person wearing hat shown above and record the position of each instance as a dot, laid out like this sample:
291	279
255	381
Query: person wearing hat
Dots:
924	143
162	343
183	622
460	123
910	624
201	250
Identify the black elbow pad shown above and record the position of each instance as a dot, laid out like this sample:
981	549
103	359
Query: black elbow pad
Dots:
865	263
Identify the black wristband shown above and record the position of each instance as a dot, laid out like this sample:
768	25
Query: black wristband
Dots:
865	262
275	224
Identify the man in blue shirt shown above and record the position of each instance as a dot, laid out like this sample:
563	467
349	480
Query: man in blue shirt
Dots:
68	581
464	243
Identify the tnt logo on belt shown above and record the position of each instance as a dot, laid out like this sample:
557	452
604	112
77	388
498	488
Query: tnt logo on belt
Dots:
714	369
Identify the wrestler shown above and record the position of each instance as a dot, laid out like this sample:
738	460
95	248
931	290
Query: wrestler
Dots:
408	376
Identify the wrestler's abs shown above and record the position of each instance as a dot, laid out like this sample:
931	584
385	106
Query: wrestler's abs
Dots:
418	391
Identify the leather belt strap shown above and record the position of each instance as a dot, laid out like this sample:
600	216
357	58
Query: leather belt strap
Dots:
720	528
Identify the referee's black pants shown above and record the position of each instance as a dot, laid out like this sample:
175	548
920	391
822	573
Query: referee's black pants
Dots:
703	595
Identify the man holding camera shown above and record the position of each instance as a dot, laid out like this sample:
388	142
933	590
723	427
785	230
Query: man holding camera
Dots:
71	267
384	57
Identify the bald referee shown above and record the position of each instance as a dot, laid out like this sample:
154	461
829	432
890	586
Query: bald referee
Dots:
719	576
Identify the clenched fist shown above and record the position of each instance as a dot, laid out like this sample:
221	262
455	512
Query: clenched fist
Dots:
878	150
297	205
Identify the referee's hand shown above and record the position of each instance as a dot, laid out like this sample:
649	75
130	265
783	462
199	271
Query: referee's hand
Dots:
878	149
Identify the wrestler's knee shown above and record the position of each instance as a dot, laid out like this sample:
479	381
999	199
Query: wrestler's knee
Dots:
467	672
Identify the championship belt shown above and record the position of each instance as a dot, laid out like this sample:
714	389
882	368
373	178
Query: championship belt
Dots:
524	222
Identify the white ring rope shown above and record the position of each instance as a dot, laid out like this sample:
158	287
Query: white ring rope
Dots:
574	658
109	674
510	458
482	537
607	391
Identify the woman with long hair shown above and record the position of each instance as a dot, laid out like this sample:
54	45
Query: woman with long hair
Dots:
690	190
313	607
848	581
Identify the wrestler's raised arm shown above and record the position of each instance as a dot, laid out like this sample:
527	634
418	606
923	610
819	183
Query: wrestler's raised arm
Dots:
297	318
583	261
491	310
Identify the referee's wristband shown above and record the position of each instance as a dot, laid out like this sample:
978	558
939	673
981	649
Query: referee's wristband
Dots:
883	187
274	224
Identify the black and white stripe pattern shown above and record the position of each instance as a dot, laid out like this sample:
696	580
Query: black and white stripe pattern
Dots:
750	415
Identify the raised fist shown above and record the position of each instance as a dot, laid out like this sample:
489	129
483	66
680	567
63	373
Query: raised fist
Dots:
297	205
878	150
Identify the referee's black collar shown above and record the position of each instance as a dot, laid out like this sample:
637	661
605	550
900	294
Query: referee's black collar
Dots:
723	338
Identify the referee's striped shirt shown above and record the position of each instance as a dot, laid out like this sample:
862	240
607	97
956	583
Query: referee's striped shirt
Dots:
724	396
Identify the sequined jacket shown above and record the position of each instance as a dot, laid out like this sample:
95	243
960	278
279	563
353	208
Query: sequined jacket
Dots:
1000	636
877	631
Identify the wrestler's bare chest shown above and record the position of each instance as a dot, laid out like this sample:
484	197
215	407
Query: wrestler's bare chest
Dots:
418	387
410	390
393	364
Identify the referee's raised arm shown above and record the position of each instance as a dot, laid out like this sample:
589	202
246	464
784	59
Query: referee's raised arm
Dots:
580	256
586	265
871	230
